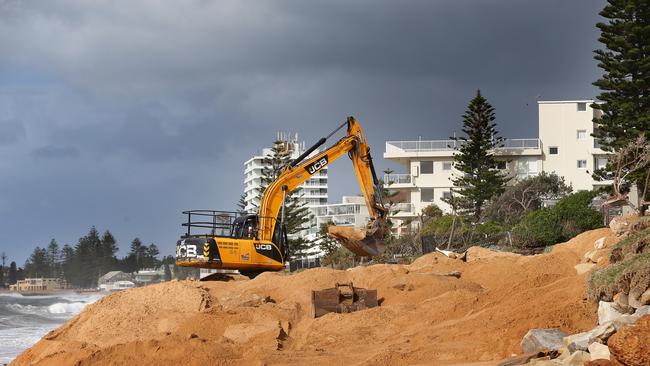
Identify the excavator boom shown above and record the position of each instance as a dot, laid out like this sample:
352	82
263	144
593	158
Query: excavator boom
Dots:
367	242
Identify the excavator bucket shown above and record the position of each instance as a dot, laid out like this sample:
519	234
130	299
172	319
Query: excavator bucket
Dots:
368	242
343	298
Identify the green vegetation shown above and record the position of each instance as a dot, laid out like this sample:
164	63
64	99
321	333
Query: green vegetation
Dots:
624	85
480	180
296	212
569	217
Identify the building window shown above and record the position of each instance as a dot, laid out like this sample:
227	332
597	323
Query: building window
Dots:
446	195
426	194
553	150
582	107
601	163
582	164
426	167
446	165
501	165
581	134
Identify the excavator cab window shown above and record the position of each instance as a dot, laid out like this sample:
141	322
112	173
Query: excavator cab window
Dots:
245	227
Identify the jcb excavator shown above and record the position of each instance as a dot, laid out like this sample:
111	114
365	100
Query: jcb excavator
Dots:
254	243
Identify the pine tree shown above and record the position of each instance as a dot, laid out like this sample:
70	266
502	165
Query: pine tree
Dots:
151	254
241	204
136	257
37	265
86	271
67	263
13	273
480	180
625	84
296	212
108	245
54	259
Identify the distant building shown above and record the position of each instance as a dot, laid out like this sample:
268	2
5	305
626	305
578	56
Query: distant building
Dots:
38	285
565	147
107	281
150	275
117	286
313	191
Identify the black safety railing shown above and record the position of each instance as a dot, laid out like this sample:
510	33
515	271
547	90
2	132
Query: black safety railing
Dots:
209	222
218	223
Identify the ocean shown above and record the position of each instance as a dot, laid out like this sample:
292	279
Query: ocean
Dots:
25	319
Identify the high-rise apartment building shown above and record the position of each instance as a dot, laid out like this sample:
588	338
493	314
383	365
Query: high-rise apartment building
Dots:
565	146
313	191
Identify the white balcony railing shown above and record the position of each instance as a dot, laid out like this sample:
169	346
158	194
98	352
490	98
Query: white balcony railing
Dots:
403	208
397	179
450	145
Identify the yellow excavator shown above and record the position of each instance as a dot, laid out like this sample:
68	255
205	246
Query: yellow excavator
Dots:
254	243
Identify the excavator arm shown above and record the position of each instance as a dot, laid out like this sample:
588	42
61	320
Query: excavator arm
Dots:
368	242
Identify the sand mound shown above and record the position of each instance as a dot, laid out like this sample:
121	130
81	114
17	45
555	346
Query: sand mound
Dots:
424	317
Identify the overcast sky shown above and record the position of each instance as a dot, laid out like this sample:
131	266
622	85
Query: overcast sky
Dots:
120	114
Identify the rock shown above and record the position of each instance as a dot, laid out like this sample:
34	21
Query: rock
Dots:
577	358
192	336
601	333
645	297
542	339
577	342
625	320
643	310
619	226
587	257
584	267
607	312
600	243
631	344
621	303
595	255
598	351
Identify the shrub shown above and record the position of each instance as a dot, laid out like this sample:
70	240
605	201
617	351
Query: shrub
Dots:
537	229
569	217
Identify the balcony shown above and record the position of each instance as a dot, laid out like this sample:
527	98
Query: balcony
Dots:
398	180
402	210
442	148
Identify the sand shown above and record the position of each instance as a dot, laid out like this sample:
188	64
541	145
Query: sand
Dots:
424	318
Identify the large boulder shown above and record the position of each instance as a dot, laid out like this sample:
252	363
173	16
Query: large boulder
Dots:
600	243
577	358
607	312
577	342
619	225
598	351
542	339
630	346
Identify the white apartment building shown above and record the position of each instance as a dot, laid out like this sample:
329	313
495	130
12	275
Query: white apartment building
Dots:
313	192
565	146
351	211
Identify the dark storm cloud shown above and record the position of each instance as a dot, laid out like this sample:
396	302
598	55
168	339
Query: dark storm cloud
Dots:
55	152
152	107
11	132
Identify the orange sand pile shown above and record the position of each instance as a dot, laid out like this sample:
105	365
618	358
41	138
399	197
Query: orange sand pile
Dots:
424	318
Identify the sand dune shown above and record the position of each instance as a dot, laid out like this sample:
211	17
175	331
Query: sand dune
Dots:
424	318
